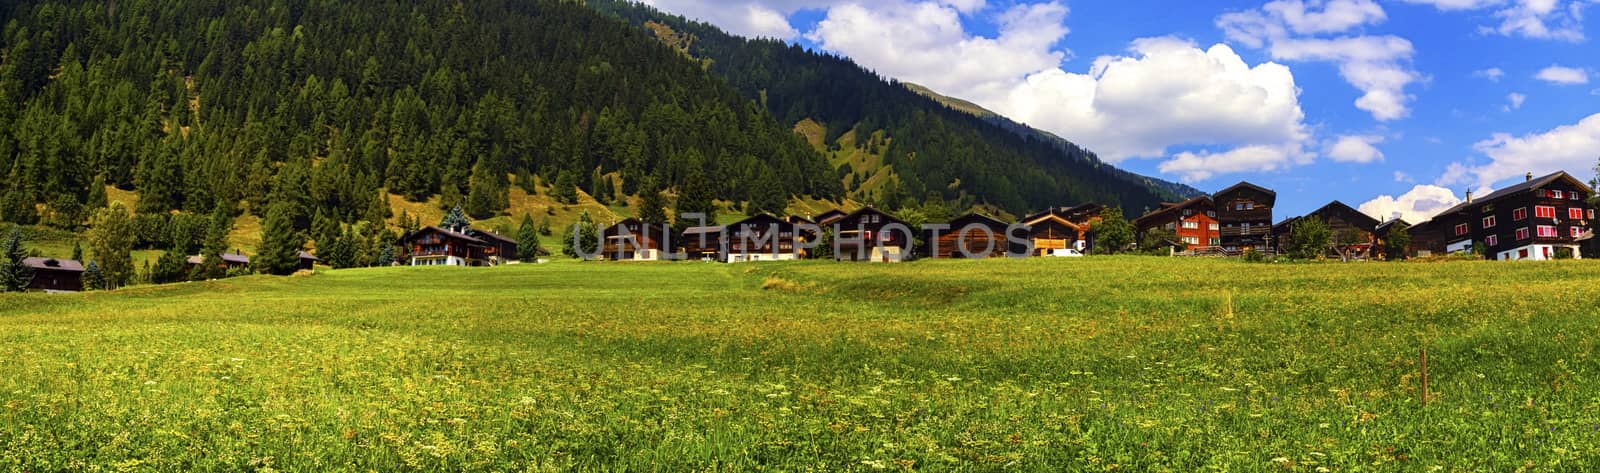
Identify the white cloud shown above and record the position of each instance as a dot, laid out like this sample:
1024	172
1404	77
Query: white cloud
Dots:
926	43
1400	176
1570	148
1514	101
1563	75
1355	149
1166	92
1539	19
1493	74
1379	66
770	18
1415	206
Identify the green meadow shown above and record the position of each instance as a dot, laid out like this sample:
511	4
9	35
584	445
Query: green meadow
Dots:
1087	364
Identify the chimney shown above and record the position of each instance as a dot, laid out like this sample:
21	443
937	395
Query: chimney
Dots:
1469	196
1527	177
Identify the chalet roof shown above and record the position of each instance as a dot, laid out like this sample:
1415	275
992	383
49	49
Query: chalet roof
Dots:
1526	185
973	217
488	235
1387	223
448	233
830	216
309	256
53	264
1246	185
1364	220
709	229
235	258
1167	207
796	219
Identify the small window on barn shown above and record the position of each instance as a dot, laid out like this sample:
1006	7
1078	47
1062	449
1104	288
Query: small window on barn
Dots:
1575	213
1557	195
1544	211
1547	231
1519	214
1492	240
1461	229
1488	222
1522	233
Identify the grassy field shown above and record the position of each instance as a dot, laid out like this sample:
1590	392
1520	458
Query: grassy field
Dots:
1094	364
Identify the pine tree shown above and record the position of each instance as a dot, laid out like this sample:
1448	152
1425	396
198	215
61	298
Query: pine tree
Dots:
768	197
215	244
456	221
169	268
279	253
450	196
385	255
652	205
77	250
17	207
566	189
487	191
587	236
695	196
15	273
93	278
97	193
527	239
111	244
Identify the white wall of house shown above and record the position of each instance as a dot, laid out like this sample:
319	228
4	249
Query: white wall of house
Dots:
438	261
752	257
886	254
1537	252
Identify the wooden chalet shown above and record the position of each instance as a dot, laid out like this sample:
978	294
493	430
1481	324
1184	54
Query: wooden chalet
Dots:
1540	218
54	275
761	238
972	235
803	233
1193	222
1244	212
435	246
702	243
1353	234
861	236
632	239
237	260
1382	232
1053	229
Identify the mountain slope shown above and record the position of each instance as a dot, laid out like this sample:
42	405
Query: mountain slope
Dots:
935	150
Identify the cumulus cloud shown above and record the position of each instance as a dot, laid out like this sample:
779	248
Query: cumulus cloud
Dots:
1419	204
1570	148
1514	101
1379	66
1563	75
1164	92
1400	176
1539	19
1355	149
1493	74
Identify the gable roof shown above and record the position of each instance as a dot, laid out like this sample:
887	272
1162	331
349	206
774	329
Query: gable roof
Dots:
871	209
1363	220
1526	185
1173	207
53	264
830	216
488	235
956	224
452	234
1246	185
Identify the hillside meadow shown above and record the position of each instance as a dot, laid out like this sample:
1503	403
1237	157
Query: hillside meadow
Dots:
1091	364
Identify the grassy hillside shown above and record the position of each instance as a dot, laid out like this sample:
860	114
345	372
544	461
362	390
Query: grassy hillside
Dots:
1135	364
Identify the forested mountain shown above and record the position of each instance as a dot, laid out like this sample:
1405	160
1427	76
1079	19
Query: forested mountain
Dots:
317	104
934	149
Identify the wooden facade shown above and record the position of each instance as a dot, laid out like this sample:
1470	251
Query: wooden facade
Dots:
434	246
1539	218
1244	214
1353	234
632	239
761	238
1383	231
830	217
862	236
1193	222
54	275
1053	229
972	235
702	243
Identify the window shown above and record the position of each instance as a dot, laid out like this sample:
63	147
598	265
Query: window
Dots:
1574	196
1523	253
1216	241
1519	214
1488	208
1461	229
1187	212
1575	213
1250	206
1239	206
1191	241
1557	195
1211	213
1188	225
1492	240
1577	232
1214	226
1544	211
1591	214
1547	231
1488	222
1522	233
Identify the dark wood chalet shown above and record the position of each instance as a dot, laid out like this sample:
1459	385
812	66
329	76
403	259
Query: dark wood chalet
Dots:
434	246
1383	231
632	239
1053	229
761	238
861	236
702	243
1193	222
1539	218
237	260
804	234
1244	212
1353	234
55	275
972	235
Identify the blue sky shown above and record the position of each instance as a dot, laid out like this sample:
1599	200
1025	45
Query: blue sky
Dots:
1394	106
